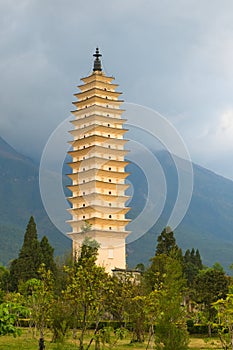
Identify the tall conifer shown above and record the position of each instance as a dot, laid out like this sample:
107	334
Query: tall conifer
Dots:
27	264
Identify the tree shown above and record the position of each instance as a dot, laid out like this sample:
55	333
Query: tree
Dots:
47	252
4	279
39	299
32	254
87	290
210	285
165	313
126	304
167	244
192	265
27	264
224	308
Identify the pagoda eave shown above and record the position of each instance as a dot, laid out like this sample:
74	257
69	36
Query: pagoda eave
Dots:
100	108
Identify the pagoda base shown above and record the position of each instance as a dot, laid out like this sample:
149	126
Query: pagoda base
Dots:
111	253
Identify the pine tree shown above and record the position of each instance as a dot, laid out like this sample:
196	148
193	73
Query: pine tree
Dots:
27	264
192	265
167	244
198	261
47	252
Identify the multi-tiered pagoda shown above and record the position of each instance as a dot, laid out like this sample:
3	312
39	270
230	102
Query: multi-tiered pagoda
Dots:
98	169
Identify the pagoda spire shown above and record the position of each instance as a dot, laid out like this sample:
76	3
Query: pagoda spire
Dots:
97	62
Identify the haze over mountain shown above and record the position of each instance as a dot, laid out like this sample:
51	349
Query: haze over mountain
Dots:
19	199
206	226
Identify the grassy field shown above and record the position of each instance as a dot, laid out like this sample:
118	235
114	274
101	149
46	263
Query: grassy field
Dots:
27	342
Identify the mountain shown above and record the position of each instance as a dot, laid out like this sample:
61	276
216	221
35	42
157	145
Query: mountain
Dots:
19	199
207	224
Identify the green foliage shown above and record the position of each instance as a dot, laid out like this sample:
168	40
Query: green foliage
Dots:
87	290
61	319
47	252
217	266
192	265
210	285
164	305
126	304
167	244
39	298
32	254
108	337
224	308
27	264
9	313
88	253
4	279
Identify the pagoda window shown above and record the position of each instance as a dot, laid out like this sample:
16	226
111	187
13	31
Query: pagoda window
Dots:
84	169
108	124
109	146
84	181
108	135
110	216
107	115
110	227
84	146
84	204
110	204
107	106
110	192
84	193
109	180
110	253
109	168
83	158
83	216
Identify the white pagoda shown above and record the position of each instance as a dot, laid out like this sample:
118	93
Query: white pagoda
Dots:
98	200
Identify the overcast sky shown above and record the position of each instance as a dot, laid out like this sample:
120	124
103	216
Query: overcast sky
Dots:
174	56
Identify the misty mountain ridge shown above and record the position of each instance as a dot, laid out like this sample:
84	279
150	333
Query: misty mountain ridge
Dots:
207	224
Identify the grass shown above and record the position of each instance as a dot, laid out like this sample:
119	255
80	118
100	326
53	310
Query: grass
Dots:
27	342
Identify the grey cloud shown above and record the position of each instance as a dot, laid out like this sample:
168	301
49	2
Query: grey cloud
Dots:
171	56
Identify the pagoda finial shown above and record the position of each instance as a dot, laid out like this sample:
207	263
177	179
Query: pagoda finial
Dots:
97	62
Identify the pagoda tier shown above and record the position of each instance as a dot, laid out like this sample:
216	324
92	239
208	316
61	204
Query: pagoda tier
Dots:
98	169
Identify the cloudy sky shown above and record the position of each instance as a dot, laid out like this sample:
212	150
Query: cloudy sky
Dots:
175	57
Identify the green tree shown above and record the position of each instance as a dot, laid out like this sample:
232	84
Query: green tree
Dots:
87	290
224	308
47	252
210	285
166	244
126	304
165	313
39	299
61	318
4	279
27	264
192	265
